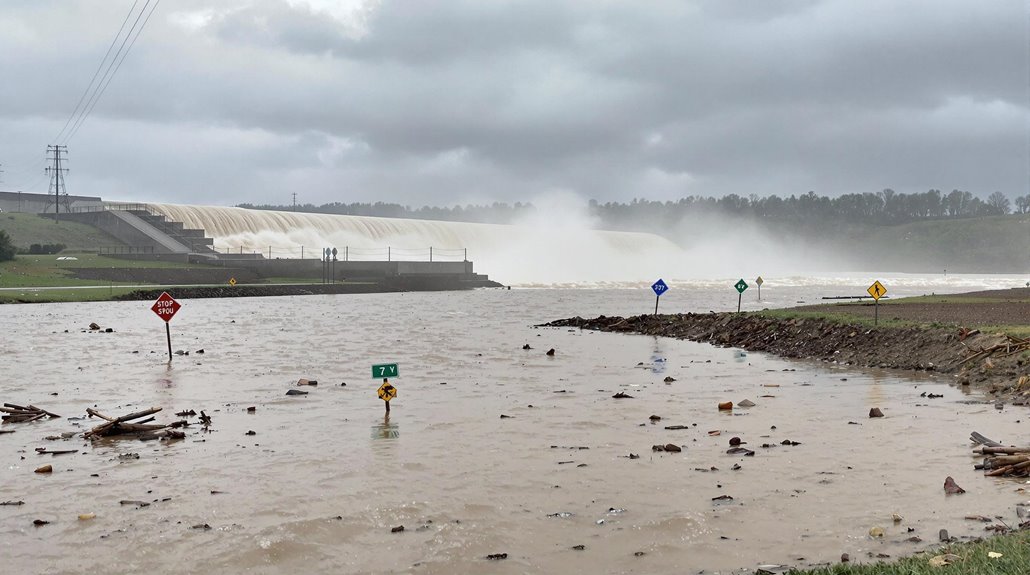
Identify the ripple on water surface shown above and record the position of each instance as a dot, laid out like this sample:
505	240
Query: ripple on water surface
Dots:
326	476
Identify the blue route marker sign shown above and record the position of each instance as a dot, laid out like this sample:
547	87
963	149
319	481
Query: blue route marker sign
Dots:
659	288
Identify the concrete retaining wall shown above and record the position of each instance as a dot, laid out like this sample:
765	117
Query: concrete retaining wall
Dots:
35	203
346	270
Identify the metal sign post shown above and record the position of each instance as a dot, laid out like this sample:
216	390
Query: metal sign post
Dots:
165	307
334	252
325	265
877	291
741	285
659	288
759	281
386	391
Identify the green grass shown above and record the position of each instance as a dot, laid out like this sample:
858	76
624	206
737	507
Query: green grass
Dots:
28	229
48	271
291	281
48	295
956	299
97	261
839	314
973	560
837	317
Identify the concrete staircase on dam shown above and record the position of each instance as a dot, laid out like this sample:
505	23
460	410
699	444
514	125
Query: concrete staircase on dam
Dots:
143	232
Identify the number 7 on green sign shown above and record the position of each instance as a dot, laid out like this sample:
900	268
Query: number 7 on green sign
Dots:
385	370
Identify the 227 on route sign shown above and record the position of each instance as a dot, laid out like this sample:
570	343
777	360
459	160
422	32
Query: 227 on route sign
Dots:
165	307
385	370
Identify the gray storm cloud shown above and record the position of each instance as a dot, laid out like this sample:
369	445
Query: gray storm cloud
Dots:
462	101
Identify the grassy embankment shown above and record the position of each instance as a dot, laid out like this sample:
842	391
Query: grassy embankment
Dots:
968	559
892	313
28	229
45	278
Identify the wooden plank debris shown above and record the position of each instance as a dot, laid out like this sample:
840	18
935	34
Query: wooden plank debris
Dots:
1001	460
124	427
14	413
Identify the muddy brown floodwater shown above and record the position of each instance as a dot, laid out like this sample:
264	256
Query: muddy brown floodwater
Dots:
325	477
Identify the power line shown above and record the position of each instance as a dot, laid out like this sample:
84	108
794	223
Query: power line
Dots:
97	85
107	78
94	78
25	174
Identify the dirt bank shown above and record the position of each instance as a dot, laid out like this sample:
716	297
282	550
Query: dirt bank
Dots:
1002	373
975	309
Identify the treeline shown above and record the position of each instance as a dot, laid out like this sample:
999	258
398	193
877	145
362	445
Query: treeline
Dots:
495	213
882	208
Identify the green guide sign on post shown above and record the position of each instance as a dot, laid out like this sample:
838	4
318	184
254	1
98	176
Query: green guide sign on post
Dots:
740	287
384	370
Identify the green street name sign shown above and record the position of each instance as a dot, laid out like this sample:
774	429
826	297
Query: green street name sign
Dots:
384	370
741	286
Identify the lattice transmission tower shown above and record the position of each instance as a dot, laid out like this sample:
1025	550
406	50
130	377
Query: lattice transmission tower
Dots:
57	184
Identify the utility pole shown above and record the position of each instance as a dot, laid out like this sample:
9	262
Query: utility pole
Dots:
56	173
294	201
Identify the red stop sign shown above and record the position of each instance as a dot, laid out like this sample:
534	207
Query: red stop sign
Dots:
165	307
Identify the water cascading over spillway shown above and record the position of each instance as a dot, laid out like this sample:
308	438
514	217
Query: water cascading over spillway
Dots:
544	254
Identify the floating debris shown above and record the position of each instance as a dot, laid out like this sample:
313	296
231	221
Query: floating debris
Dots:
19	414
120	426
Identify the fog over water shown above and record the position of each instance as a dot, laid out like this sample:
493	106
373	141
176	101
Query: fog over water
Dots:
557	245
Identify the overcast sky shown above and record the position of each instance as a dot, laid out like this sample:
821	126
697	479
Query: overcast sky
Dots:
440	102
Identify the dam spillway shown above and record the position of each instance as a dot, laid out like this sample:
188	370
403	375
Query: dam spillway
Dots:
544	253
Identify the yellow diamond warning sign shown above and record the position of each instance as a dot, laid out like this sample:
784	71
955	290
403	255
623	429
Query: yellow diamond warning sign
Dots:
877	290
387	391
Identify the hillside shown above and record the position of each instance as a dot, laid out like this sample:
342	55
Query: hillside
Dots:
995	244
28	229
990	244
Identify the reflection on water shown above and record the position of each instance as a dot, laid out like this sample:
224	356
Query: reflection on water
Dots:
466	482
385	429
876	391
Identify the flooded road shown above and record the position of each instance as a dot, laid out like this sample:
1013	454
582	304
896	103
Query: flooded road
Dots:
326	476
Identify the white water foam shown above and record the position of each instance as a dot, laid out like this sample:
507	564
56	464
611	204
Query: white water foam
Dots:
536	252
558	246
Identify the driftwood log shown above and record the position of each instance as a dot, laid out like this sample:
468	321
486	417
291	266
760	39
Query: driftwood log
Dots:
1012	346
123	426
1001	460
23	414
